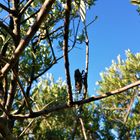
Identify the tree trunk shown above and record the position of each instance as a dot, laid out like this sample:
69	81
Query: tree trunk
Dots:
4	130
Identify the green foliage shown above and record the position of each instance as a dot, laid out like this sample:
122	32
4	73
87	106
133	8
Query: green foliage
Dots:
120	111
57	125
37	57
49	92
46	45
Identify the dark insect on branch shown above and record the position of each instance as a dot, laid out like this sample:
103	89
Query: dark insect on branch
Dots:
80	81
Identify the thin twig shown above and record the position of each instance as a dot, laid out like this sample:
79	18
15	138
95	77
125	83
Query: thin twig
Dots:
75	36
51	65
7	29
25	7
96	17
129	109
50	42
83	128
4	110
21	2
6	9
87	50
24	94
5	85
29	17
26	129
59	28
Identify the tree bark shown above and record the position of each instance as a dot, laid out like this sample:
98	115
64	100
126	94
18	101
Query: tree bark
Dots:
4	129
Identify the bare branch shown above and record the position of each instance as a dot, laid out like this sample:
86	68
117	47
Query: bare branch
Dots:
12	91
50	42
83	128
21	1
96	17
4	110
87	62
26	129
65	106
7	29
41	112
24	94
65	50
129	108
25	7
5	85
59	28
5	8
46	7
87	49
54	62
29	17
75	36
115	92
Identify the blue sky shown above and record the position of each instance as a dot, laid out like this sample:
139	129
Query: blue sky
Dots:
116	30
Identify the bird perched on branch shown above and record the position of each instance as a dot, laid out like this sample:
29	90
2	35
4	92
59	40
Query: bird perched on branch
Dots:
78	80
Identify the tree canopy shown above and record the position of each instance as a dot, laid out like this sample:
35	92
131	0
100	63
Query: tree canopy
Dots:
34	36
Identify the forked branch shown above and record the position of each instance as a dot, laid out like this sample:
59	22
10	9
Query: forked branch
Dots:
46	7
